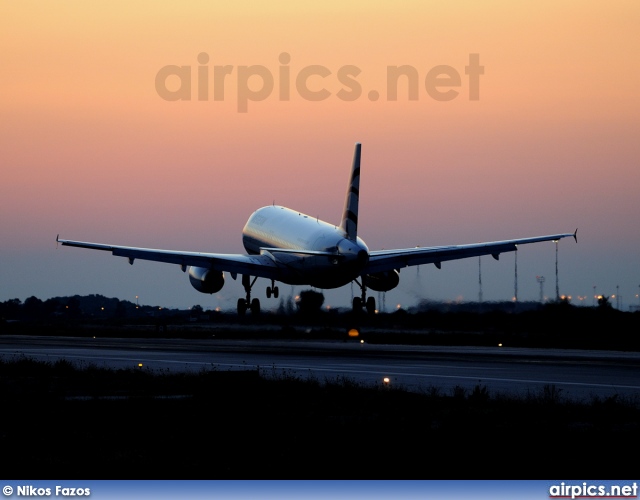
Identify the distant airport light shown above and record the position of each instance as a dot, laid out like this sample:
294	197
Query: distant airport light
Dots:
362	341
386	380
139	365
500	344
354	332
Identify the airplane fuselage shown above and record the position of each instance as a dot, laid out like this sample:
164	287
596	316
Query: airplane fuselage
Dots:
327	258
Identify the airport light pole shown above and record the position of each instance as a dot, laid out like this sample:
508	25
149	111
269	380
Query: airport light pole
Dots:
515	278
479	281
540	280
557	283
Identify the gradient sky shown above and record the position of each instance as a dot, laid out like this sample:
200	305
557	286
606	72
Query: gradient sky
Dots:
89	149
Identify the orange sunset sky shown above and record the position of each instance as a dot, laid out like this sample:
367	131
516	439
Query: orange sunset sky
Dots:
91	151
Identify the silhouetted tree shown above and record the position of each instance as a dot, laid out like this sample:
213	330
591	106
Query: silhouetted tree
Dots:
121	309
310	301
603	302
11	309
50	306
33	307
73	307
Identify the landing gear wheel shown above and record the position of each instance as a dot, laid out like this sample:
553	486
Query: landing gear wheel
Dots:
244	304
371	305
272	290
255	307
357	304
242	307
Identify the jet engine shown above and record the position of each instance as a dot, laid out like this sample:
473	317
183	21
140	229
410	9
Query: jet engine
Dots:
382	282
206	280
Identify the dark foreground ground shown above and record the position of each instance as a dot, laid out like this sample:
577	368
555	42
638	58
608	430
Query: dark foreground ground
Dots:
62	422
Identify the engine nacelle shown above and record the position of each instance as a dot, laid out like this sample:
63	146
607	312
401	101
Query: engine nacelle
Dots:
206	280
382	282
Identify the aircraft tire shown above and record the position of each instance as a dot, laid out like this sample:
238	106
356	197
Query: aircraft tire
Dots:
242	307
357	304
255	307
276	292
371	305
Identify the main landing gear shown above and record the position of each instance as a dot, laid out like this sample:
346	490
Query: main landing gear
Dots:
248	303
359	302
244	304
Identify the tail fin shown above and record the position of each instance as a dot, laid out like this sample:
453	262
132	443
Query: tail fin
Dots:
350	214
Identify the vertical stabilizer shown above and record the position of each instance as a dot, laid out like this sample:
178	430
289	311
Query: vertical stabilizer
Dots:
350	214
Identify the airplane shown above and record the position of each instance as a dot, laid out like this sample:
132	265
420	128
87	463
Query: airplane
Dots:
287	246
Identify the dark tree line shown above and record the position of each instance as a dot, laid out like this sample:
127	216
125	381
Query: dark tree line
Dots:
95	306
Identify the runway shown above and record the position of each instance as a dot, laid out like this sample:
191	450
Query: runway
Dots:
578	375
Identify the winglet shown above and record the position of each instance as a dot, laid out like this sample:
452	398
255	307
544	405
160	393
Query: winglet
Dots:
349	222
575	235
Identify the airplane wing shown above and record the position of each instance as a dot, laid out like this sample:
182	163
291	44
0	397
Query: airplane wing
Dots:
386	260
262	266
